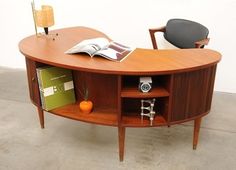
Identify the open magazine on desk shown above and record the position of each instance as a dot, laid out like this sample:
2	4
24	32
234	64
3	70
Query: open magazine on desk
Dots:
102	47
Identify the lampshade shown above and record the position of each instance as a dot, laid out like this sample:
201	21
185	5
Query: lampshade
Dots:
44	17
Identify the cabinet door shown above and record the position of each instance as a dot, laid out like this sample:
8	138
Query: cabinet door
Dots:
33	82
192	93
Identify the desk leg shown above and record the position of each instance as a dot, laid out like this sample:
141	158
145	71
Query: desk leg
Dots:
41	117
121	131
197	124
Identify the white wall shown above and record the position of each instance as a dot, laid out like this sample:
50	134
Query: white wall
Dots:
127	21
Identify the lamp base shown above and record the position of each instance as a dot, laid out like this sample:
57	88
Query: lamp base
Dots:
48	35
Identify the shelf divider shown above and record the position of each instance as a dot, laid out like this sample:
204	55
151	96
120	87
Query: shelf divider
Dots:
133	92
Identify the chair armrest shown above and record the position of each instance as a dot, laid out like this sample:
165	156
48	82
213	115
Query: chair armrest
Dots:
201	43
152	32
160	29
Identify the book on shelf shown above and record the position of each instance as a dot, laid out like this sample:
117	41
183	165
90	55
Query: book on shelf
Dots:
56	87
103	47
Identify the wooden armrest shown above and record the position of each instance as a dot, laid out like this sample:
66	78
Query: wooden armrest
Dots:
201	43
152	34
161	29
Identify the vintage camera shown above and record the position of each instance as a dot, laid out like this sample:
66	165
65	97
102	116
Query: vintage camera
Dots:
145	84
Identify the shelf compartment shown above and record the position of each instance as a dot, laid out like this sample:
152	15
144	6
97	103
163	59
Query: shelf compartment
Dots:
133	92
134	120
131	109
100	116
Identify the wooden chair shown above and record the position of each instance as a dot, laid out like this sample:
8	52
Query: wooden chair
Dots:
182	34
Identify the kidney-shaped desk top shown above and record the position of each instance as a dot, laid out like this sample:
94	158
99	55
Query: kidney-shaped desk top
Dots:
139	62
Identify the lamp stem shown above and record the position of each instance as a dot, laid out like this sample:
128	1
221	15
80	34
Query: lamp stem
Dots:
46	30
33	11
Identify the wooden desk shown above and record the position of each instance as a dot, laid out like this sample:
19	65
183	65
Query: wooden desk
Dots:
183	82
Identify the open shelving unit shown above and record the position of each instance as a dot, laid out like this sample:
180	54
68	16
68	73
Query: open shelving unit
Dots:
105	111
131	98
123	104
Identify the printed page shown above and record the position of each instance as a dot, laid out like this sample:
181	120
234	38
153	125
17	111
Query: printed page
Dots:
89	46
114	52
108	53
119	47
82	49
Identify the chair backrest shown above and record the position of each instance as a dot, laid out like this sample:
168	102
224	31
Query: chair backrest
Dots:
184	33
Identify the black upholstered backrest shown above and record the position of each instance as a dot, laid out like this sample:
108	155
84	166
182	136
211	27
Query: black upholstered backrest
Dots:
184	33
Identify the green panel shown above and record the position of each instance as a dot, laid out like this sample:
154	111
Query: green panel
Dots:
56	87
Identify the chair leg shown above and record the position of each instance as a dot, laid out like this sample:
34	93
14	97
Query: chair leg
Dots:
197	124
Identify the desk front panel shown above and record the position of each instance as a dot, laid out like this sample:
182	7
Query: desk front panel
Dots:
192	93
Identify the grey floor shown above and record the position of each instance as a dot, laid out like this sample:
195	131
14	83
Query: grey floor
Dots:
67	144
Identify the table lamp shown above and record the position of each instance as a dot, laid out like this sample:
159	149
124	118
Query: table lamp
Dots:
43	18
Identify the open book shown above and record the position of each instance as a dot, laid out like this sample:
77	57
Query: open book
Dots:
102	47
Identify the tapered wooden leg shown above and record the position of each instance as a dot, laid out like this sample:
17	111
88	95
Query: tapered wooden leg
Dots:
197	124
41	117
121	131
